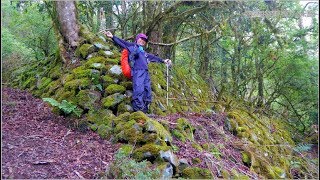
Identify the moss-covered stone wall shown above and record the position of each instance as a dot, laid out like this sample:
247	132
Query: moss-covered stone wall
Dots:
98	88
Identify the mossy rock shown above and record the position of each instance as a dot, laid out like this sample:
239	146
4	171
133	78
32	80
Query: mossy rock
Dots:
115	71
149	151
78	84
55	72
29	82
82	72
113	100
153	126
166	170
130	132
44	82
124	117
98	66
101	45
88	99
106	53
52	87
97	59
100	116
66	78
104	131
109	80
94	127
84	50
139	117
126	84
196	173
66	95
115	88
126	149
124	107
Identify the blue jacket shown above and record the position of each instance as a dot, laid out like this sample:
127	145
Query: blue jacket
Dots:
141	58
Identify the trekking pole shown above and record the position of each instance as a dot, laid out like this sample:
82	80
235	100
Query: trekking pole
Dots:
167	84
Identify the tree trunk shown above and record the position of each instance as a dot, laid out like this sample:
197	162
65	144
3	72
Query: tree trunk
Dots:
108	14
67	22
64	17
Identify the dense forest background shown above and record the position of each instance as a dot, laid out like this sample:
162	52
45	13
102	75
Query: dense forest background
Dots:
264	53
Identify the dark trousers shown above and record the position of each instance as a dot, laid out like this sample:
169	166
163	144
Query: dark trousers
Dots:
142	94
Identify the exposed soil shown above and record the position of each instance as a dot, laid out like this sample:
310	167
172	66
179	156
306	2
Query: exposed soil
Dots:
37	143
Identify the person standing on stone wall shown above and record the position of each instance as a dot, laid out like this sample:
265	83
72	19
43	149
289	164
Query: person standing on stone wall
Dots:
138	60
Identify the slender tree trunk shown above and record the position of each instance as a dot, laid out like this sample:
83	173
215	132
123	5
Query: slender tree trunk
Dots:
259	73
108	14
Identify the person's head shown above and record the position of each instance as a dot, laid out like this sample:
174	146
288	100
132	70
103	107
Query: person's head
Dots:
141	39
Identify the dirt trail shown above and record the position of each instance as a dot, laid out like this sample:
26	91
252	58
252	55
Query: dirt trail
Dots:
37	144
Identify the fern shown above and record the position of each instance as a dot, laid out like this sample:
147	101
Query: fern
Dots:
65	106
302	147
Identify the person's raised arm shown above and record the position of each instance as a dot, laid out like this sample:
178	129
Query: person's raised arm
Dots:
153	58
122	43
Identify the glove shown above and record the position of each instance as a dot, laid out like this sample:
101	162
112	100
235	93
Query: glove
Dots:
168	62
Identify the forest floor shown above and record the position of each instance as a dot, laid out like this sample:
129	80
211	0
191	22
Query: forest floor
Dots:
38	144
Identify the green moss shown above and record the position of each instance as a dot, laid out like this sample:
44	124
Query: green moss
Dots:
126	84
100	44
115	88
44	82
104	131
100	116
196	161
56	72
98	66
67	95
139	117
94	127
276	172
225	174
112	100
88	99
98	59
52	87
66	78
113	61
108	79
124	117
130	132
179	135
84	50
77	84
184	129
148	150
124	107
126	149
246	158
81	72
197	146
29	82
155	126
196	173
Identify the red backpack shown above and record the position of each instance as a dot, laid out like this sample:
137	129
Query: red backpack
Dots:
126	69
